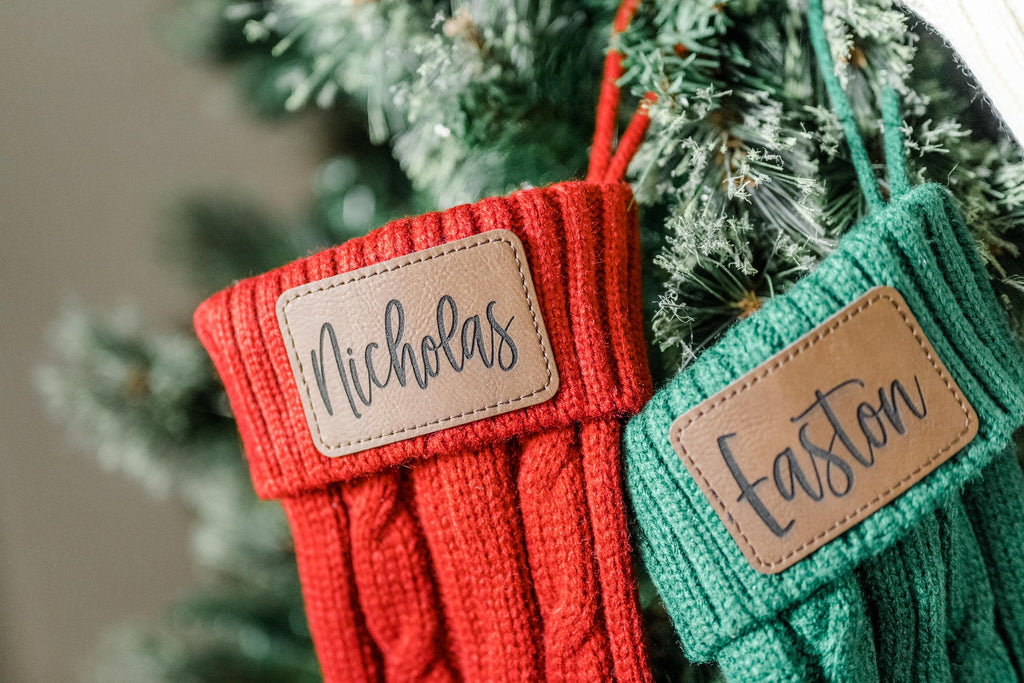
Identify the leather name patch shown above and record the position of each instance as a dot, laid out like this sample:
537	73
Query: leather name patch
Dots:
410	346
826	432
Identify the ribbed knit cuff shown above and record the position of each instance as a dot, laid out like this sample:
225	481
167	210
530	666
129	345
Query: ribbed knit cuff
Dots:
918	245
581	242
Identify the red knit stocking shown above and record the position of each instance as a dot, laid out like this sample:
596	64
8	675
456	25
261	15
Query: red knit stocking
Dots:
561	549
394	579
344	646
611	546
495	549
467	501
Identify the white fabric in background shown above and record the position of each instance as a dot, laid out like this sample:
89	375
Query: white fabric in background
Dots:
989	36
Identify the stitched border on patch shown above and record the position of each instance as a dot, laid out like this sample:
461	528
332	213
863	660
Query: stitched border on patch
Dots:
808	343
412	260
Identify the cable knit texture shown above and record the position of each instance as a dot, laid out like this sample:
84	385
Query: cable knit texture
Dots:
494	550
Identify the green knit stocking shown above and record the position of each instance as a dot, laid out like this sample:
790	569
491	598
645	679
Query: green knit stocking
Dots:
932	607
815	641
995	507
931	586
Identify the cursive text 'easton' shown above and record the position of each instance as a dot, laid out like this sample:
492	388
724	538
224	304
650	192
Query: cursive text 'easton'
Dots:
819	468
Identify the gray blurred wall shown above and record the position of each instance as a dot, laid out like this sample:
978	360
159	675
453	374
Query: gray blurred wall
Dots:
100	127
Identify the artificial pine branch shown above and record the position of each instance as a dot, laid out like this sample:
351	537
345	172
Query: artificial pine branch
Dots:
745	179
747	156
477	97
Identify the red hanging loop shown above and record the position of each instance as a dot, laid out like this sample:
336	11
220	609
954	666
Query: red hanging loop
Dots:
631	140
603	166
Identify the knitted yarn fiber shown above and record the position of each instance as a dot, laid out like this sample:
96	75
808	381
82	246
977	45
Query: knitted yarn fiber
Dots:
818	619
927	588
494	550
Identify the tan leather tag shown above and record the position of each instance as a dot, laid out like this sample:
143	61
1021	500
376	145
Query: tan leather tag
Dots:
438	338
827	431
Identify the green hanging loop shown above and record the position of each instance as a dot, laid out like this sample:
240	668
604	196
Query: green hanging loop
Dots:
858	152
895	154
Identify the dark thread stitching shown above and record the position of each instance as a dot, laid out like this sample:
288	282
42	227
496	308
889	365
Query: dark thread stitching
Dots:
529	302
804	346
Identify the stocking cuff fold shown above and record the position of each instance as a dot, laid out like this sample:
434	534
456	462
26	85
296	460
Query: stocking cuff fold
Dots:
581	242
920	246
